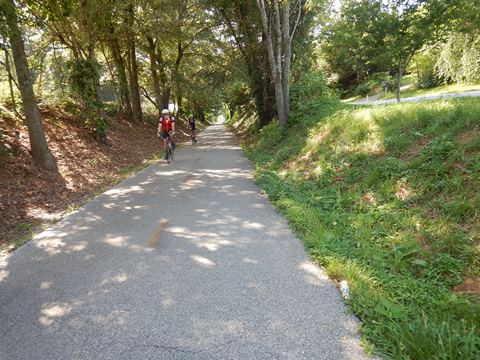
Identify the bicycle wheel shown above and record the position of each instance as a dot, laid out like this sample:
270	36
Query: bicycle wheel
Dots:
170	151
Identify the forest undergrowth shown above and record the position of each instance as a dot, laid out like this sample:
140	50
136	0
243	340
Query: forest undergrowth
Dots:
387	198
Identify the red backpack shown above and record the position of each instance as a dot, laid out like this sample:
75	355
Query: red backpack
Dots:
166	124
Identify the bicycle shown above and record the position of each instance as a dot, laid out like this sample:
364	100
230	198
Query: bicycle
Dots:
194	138
170	149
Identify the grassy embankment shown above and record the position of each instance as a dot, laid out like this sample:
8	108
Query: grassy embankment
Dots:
439	90
388	198
409	90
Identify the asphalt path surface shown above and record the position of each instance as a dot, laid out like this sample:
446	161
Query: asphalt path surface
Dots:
418	98
181	261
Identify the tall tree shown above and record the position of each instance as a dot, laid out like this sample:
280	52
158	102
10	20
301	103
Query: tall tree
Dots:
113	43
241	22
410	26
152	50
133	65
38	143
278	34
353	41
75	25
170	40
113	34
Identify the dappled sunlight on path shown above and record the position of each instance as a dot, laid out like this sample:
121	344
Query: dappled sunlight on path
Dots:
186	260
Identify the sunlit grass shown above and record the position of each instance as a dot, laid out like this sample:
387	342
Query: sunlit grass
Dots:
387	198
444	89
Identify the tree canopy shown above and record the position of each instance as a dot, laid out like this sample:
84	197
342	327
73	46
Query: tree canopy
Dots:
199	56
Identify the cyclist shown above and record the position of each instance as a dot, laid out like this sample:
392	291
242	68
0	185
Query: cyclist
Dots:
192	126
166	129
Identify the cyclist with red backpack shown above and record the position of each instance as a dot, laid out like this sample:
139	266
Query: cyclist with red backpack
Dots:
166	129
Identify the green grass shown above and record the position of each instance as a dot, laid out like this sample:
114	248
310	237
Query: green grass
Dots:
444	89
411	91
387	198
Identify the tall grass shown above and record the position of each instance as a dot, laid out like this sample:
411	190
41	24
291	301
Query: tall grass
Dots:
388	198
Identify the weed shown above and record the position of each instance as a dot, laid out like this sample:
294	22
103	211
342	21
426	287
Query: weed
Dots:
387	197
24	226
94	162
72	207
127	170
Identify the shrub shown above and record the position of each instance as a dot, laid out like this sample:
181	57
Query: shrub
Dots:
312	87
424	69
84	80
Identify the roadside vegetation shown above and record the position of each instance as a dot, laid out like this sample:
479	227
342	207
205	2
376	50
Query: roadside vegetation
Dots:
438	90
368	49
409	89
387	198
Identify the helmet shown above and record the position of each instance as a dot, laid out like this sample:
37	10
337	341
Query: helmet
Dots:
165	112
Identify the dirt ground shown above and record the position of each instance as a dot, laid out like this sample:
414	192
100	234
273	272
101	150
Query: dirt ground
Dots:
31	198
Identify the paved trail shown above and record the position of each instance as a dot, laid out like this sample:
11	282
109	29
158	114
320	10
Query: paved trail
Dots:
180	261
421	98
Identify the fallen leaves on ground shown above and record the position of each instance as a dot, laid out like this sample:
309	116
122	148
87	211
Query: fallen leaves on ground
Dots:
31	197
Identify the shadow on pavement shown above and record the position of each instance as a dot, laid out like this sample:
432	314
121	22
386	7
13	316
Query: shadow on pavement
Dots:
227	278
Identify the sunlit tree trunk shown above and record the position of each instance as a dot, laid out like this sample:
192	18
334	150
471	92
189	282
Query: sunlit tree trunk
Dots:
278	35
38	143
273	37
10	81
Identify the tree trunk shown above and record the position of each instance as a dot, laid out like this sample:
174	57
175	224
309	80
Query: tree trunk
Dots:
255	56
176	74
10	81
61	81
38	143
40	77
164	88
287	40
92	59
153	69
86	21
113	76
179	98
122	76
274	66
263	90
166	97
198	112
133	69
399	79
134	87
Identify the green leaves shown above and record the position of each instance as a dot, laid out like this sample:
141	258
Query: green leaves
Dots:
84	80
390	309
